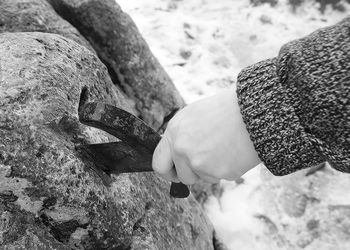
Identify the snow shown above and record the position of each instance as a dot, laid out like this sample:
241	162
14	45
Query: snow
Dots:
203	45
220	37
233	214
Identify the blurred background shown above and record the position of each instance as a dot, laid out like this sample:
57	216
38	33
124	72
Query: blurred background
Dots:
203	45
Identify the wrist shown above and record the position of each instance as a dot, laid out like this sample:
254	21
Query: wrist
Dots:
245	154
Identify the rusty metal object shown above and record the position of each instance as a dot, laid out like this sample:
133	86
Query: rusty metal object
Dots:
133	153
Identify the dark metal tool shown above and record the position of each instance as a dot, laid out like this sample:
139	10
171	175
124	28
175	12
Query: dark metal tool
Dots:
135	150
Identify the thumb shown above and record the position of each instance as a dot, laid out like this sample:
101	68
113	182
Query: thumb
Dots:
162	161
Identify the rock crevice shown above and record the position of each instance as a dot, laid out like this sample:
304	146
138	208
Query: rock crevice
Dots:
120	46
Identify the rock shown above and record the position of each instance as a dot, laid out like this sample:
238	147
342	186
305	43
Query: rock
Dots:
185	54
260	2
295	3
335	4
39	15
293	202
265	19
53	196
36	15
131	64
5	170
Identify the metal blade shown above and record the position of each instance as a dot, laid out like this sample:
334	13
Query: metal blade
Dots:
119	157
119	123
133	156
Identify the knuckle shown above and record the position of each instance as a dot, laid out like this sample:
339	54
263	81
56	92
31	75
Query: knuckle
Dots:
196	163
155	164
157	168
156	161
179	147
219	173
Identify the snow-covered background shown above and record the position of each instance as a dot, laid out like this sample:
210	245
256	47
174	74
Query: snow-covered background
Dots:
203	45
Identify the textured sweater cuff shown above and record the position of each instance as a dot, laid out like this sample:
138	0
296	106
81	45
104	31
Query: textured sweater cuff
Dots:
274	128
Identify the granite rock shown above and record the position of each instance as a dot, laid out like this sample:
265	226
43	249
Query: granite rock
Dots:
121	47
36	15
52	196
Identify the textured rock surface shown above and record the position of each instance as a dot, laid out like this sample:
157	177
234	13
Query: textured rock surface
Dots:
36	15
118	43
51	197
300	213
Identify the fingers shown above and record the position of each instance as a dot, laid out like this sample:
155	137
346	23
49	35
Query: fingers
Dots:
184	172
162	161
209	179
163	164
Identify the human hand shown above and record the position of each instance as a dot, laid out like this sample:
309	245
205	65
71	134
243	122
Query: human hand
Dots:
206	140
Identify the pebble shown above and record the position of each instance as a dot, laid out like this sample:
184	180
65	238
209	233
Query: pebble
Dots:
5	170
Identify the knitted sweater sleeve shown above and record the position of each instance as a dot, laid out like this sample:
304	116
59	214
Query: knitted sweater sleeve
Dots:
296	107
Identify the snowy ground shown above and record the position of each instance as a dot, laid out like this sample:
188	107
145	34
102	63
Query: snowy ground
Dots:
203	45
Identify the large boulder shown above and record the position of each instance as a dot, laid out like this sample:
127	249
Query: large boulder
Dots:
39	16
53	197
36	15
131	64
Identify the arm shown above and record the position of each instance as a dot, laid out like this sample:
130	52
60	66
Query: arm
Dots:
295	108
206	140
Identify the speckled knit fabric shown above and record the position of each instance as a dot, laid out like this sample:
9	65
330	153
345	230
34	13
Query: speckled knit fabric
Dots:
297	106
